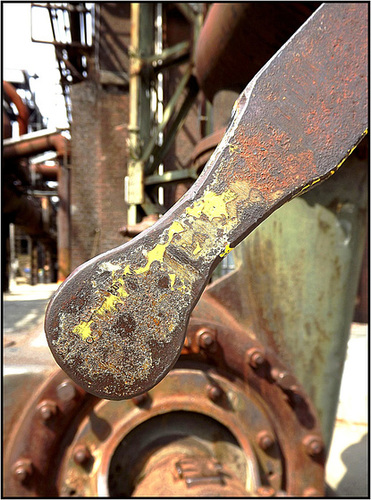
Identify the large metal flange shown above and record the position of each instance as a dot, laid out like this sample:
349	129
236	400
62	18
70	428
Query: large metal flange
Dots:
68	443
224	374
32	454
190	388
237	351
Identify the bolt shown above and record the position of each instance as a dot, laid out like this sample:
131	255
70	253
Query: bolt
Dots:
214	392
66	391
141	399
81	454
22	470
265	440
47	409
206	339
284	380
265	491
255	357
311	492
313	445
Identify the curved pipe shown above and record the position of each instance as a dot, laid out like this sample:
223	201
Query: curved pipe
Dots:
237	39
23	114
24	211
48	172
33	144
7	127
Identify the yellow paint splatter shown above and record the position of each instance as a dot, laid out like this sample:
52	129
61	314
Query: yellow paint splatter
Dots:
233	148
226	250
349	152
197	249
212	205
157	253
83	329
172	280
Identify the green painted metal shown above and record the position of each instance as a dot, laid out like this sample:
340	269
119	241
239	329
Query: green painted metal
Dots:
159	152
298	274
170	55
168	113
171	176
142	39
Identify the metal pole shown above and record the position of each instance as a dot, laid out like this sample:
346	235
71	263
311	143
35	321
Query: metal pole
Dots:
12	254
63	223
142	25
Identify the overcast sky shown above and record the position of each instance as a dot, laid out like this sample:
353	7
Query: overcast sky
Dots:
19	52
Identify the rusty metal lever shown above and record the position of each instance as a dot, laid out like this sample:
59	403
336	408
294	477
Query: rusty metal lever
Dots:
117	324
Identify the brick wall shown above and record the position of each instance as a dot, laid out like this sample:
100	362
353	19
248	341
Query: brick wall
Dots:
99	160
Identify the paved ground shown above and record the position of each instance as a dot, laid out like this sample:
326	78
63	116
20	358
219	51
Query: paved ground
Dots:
347	469
24	308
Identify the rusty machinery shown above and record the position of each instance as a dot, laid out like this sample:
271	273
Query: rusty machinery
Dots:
237	413
25	193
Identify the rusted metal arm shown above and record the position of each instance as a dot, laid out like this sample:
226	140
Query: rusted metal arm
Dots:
117	324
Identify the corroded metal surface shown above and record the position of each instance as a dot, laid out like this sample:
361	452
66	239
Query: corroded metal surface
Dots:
237	39
32	451
68	443
117	324
15	98
35	143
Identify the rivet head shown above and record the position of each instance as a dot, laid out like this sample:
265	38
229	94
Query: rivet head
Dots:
47	409
214	392
206	339
255	357
265	491
81	454
66	391
313	445
265	440
22	470
284	380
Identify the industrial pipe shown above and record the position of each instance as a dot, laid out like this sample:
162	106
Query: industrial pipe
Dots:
23	113
47	172
233	47
36	143
23	210
7	127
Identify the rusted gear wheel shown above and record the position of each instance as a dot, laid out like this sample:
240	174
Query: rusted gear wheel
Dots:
228	420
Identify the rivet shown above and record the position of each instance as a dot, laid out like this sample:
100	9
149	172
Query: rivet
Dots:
255	357
313	445
214	392
265	440
81	454
22	470
47	409
206	338
265	491
284	380
311	492
66	391
141	399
